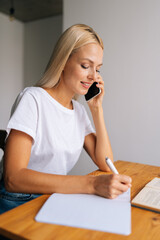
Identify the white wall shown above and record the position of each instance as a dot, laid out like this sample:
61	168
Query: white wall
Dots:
40	38
24	52
11	64
131	33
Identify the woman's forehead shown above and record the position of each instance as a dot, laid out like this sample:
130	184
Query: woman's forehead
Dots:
91	52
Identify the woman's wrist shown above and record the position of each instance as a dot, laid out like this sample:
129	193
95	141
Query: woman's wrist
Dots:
96	109
90	184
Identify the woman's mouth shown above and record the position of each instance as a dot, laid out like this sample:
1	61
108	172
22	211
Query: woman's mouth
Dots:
85	85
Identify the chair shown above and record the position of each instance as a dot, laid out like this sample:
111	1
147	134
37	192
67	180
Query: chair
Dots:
3	135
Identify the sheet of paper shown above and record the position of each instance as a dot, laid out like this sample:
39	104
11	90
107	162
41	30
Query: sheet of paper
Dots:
89	212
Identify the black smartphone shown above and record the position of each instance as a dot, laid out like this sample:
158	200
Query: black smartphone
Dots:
92	92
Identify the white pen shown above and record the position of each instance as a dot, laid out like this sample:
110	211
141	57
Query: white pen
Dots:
111	165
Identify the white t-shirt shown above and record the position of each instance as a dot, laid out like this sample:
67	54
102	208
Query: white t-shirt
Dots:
58	133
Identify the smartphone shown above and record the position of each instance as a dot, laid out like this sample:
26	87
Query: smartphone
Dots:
92	92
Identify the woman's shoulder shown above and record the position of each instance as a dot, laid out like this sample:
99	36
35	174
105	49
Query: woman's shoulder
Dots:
31	90
28	94
31	93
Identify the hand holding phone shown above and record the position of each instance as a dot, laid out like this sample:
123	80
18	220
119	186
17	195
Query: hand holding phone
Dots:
92	92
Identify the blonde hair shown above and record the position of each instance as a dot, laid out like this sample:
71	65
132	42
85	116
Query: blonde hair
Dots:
70	41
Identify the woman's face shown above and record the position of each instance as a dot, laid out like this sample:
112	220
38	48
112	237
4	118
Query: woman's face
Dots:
82	69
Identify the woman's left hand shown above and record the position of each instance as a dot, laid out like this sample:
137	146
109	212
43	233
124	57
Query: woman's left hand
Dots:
97	101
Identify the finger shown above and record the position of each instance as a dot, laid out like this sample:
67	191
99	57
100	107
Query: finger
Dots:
99	80
114	193
121	187
100	85
117	184
124	179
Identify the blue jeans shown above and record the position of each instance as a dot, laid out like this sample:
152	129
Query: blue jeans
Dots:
9	200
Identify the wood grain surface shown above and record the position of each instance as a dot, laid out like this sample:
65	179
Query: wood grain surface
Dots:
19	223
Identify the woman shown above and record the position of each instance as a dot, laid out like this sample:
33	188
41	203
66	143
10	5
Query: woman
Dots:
48	128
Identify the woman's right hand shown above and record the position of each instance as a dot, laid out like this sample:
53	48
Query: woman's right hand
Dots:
111	185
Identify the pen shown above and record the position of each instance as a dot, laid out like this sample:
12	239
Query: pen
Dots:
111	165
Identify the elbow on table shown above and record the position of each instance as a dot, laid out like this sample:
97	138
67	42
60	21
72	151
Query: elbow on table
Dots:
103	166
104	169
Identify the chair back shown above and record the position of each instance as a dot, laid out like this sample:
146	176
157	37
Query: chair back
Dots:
3	135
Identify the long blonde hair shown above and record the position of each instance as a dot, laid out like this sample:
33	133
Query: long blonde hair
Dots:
70	41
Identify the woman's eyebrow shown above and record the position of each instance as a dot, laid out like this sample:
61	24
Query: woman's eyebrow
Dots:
88	59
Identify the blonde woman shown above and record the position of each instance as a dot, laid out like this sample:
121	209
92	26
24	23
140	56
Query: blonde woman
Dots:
48	128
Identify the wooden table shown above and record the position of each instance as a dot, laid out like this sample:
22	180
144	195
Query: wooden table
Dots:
19	223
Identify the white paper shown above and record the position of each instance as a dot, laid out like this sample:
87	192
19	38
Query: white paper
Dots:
89	212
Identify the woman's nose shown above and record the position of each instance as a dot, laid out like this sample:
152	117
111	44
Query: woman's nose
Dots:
92	75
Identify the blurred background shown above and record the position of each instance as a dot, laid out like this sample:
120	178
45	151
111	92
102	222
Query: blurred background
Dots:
131	66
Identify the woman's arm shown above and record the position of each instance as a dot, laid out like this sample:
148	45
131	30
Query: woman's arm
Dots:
98	145
20	179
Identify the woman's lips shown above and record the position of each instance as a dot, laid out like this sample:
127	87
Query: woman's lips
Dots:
86	85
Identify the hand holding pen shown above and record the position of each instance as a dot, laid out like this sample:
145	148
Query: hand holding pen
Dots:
111	185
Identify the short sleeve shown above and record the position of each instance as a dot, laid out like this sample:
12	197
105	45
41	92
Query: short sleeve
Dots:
24	115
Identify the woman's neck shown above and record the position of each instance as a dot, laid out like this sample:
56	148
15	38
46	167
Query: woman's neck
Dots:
60	97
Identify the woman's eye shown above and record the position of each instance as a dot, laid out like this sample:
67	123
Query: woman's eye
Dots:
83	66
98	71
